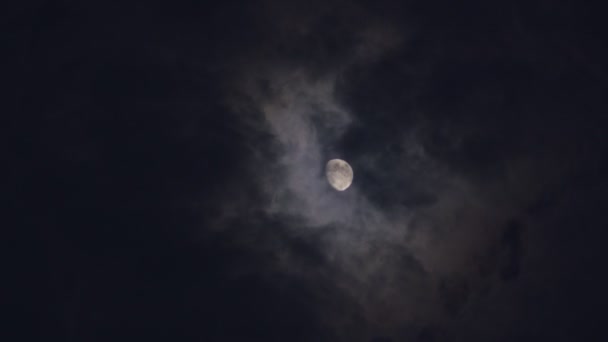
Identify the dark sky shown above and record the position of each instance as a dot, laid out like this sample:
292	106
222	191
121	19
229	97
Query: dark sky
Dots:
166	170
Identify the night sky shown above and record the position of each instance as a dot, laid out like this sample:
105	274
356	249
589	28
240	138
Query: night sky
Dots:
166	175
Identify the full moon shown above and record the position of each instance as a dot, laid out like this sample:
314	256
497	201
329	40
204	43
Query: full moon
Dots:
339	174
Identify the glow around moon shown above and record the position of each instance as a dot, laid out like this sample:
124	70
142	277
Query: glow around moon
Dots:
339	174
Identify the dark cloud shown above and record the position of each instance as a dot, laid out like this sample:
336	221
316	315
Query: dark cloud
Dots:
167	170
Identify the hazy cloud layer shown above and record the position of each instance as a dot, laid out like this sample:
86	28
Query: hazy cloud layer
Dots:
447	159
169	170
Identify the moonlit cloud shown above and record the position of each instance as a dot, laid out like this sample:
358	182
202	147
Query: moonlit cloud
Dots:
406	242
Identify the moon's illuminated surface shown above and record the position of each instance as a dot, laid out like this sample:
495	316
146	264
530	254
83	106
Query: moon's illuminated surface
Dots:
339	174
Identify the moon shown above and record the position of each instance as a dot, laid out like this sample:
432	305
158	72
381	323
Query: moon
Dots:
339	174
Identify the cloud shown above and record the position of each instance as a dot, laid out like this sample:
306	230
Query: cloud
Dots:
440	172
361	247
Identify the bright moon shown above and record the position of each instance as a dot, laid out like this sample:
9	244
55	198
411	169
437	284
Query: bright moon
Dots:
339	174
